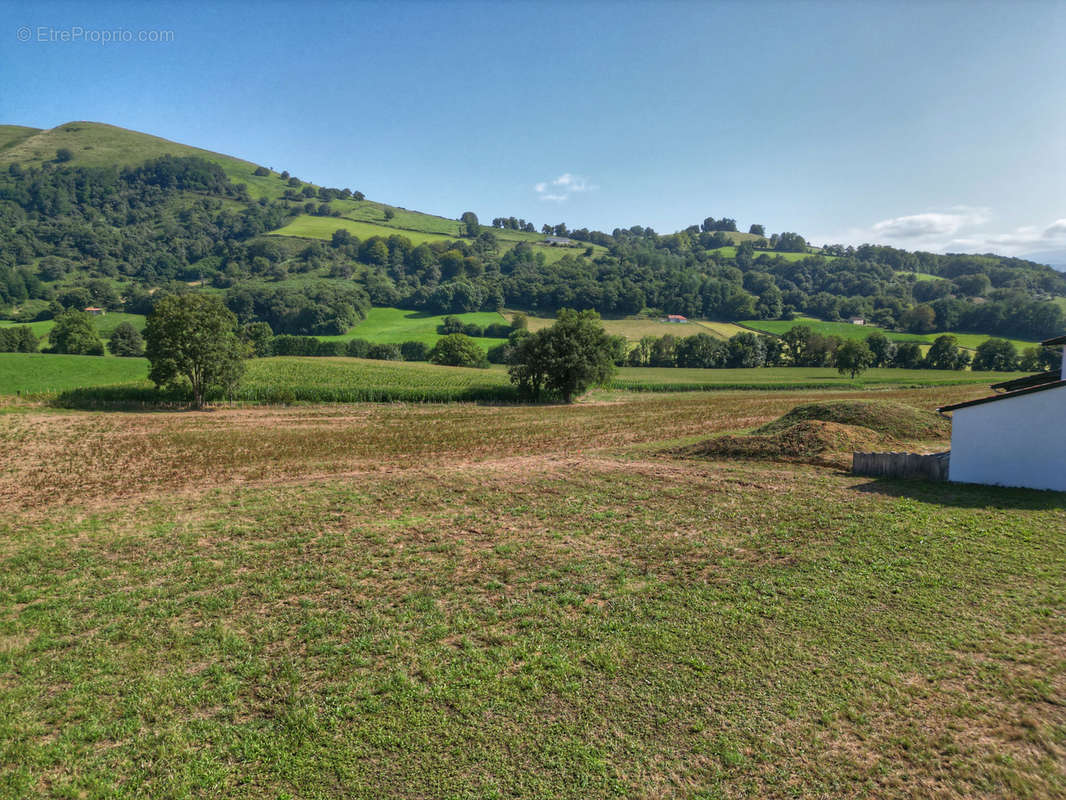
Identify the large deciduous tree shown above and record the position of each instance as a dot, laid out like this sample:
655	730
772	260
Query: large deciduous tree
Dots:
193	338
853	358
566	359
75	334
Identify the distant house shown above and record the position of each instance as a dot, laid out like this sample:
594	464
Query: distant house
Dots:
676	318
96	311
1015	438
856	320
558	241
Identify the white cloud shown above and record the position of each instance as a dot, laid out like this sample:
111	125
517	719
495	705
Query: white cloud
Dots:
921	226
562	187
960	229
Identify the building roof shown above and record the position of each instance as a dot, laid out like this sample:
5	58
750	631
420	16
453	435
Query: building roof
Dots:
1029	380
675	316
982	400
1055	341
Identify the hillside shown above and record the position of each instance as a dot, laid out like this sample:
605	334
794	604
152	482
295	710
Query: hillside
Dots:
97	214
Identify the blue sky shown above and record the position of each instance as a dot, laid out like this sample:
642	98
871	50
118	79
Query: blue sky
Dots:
924	125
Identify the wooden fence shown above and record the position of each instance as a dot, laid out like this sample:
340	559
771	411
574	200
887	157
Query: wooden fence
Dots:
932	466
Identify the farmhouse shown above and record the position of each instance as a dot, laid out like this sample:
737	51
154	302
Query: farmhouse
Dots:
856	320
1016	438
676	318
95	311
558	241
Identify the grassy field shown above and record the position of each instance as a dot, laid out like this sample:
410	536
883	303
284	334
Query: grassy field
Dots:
94	144
105	324
38	373
846	330
462	601
88	381
387	325
635	328
323	228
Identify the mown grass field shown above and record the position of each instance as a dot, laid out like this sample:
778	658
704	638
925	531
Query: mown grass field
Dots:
461	601
635	328
847	330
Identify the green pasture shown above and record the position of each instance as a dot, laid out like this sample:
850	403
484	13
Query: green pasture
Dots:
397	325
41	373
847	330
105	324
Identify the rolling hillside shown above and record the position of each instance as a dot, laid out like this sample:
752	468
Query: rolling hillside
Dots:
181	215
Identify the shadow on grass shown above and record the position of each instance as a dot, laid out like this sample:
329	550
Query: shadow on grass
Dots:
965	495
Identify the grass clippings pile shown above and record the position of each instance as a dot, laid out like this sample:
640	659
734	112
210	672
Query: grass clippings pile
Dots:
827	433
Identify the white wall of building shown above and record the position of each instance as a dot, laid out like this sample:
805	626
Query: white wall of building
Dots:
1016	441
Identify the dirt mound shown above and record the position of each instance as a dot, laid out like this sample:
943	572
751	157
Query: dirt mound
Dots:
898	421
807	442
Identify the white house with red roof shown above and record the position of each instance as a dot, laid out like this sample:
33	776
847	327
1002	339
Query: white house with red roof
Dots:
1015	438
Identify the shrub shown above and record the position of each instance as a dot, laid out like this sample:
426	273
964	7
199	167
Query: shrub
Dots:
414	351
384	352
126	341
358	348
458	350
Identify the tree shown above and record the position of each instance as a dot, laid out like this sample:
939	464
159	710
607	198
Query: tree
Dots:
919	319
258	339
758	230
791	242
470	224
995	355
193	337
458	350
389	213
745	351
63	154
881	347
414	351
20	339
908	355
566	359
945	354
126	341
853	358
75	334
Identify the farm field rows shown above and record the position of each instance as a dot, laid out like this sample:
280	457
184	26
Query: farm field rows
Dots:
468	601
91	379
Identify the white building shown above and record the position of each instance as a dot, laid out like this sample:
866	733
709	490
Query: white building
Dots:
1017	438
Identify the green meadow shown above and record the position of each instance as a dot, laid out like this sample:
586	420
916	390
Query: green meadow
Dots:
387	325
105	324
41	373
847	330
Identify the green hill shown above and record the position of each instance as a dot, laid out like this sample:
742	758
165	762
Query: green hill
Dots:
95	214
